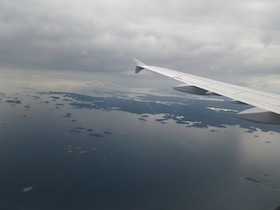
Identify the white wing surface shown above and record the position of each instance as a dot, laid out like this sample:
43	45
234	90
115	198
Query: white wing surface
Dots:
266	105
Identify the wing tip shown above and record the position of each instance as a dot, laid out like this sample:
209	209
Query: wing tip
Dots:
139	65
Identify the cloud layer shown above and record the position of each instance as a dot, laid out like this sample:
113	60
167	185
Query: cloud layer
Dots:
205	37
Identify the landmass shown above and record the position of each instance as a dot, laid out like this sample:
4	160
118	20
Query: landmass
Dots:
27	189
251	180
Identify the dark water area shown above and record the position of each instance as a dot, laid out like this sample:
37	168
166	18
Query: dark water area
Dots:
97	150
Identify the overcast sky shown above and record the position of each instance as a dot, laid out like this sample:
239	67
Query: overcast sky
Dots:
204	37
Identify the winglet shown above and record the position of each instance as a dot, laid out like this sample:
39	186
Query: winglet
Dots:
139	65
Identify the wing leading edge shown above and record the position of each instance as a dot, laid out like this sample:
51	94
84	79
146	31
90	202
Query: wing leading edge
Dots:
266	105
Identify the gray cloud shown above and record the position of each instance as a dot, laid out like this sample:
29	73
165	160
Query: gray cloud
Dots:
205	37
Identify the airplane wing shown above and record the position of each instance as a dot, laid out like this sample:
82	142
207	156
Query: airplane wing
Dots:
266	105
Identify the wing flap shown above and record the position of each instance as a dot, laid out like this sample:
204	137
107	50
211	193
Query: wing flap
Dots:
190	89
259	115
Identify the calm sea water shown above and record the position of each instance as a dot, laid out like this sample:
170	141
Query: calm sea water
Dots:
83	148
